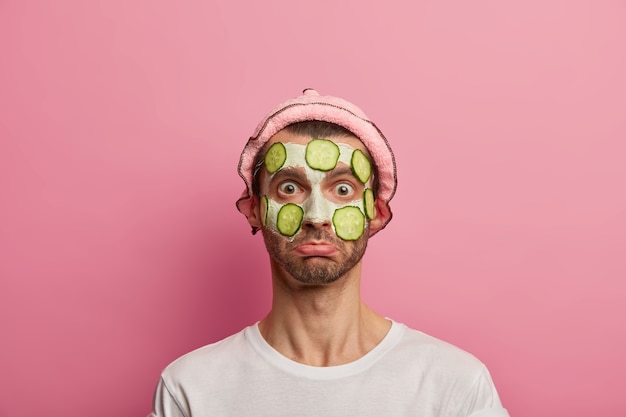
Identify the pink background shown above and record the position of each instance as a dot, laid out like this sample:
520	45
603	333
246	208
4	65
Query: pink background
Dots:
121	124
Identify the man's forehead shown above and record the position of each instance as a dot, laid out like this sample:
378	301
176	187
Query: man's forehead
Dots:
288	153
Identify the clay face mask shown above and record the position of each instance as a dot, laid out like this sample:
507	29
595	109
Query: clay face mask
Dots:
316	159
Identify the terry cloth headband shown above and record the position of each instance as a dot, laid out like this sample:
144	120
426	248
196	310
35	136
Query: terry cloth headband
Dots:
311	106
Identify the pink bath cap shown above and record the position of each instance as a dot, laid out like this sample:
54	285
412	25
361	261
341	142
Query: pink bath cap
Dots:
311	106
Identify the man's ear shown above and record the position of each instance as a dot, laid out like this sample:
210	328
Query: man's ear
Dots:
375	224
382	214
254	217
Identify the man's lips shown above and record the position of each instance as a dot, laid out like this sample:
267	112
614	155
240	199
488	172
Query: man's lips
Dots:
316	249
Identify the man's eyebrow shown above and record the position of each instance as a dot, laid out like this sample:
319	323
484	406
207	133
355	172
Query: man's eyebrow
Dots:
340	171
298	174
292	173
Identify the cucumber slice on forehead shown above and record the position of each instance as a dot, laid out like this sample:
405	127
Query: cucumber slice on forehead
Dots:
349	222
289	219
275	157
361	166
322	154
368	202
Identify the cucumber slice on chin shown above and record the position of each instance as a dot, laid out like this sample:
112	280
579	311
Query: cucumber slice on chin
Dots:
275	157
349	222
368	203
289	219
361	166
322	154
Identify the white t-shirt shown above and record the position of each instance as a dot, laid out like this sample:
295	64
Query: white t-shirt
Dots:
407	374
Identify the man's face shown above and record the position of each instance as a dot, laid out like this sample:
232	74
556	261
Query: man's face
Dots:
314	205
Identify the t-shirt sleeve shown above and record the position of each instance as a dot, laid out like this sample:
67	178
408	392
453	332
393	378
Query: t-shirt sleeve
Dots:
483	399
164	404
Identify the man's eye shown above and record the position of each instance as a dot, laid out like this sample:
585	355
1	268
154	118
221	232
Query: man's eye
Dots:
288	187
343	189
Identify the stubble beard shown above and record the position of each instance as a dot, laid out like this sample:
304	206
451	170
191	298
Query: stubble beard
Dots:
314	270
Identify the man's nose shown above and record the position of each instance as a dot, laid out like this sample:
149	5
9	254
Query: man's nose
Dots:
316	224
317	211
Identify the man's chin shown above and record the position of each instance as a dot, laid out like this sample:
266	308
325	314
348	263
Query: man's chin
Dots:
317	270
317	279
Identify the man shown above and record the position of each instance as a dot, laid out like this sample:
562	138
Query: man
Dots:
319	177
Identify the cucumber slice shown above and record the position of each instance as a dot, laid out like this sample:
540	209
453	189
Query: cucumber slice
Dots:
263	210
322	154
349	222
361	166
368	202
275	157
289	219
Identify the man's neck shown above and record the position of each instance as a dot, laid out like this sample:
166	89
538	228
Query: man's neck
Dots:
324	325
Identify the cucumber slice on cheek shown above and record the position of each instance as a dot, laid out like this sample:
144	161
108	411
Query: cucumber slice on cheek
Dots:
275	157
289	219
368	202
349	222
264	204
322	154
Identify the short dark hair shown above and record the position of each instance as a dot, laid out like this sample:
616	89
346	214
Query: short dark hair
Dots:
317	129
313	129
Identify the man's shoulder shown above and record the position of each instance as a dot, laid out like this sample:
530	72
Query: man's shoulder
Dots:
212	356
416	346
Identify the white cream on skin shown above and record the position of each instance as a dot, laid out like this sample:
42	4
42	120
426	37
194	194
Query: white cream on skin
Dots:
317	208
